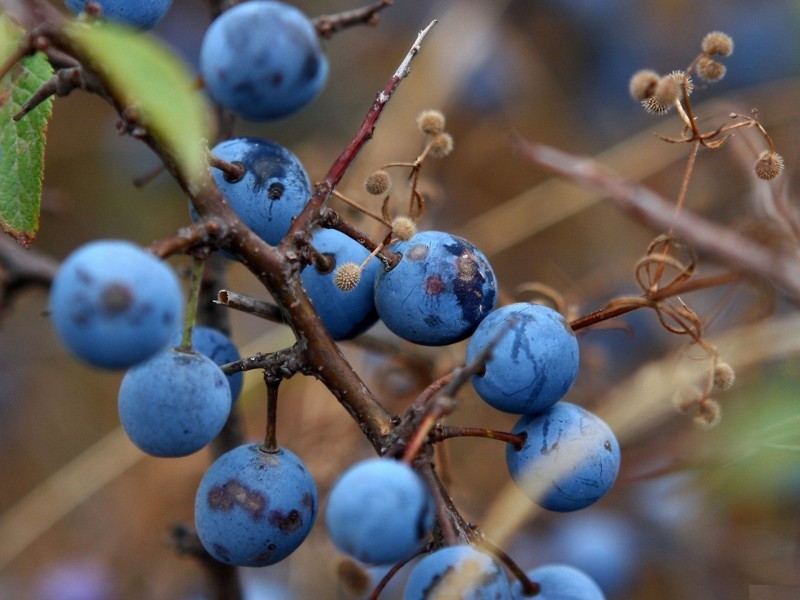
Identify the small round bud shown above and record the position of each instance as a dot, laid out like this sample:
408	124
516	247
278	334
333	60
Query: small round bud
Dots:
431	122
769	165
346	276
717	42
724	376
667	92
708	415
709	69
643	84
403	228
441	145
687	401
378	183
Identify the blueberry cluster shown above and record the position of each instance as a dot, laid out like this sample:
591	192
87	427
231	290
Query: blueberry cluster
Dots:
116	306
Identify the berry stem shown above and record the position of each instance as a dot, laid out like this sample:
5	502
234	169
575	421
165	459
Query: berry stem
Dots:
198	265
270	435
442	433
529	588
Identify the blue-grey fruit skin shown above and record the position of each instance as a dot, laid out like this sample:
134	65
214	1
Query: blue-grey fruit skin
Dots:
570	459
263	60
379	511
274	190
253	508
458	572
218	347
174	404
142	14
534	362
439	292
345	314
560	582
114	305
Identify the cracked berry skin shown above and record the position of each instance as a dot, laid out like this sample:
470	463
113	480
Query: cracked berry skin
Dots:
254	508
263	60
345	314
174	404
114	305
141	14
273	190
570	459
218	347
439	292
534	362
560	582
379	511
458	572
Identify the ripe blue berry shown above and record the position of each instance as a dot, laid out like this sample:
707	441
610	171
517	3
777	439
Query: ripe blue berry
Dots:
458	572
379	511
560	582
570	458
345	314
440	290
534	361
174	404
114	305
253	508
142	14
273	190
263	60
218	347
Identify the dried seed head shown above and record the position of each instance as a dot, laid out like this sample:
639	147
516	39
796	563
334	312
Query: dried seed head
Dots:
431	122
403	228
667	92
687	401
769	165
378	183
709	69
346	276
708	415
724	376
441	145
717	42
643	84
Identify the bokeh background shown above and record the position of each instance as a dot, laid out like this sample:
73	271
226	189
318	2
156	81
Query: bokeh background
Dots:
694	515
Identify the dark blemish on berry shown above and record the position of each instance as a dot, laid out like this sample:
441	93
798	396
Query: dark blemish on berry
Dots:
418	252
307	501
275	190
222	552
276	80
83	276
434	285
310	67
457	247
286	522
266	556
433	321
607	446
115	298
233	493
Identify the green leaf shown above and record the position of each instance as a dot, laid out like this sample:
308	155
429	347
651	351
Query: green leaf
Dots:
155	85
21	142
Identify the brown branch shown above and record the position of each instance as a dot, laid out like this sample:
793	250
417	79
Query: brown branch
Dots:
327	25
720	243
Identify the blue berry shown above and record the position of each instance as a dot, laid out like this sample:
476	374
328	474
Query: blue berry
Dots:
440	290
174	404
458	572
114	305
142	14
379	511
218	347
570	458
560	582
273	191
253	508
345	314
263	60
533	363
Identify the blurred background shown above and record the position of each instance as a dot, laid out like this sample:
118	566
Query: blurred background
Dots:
695	514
